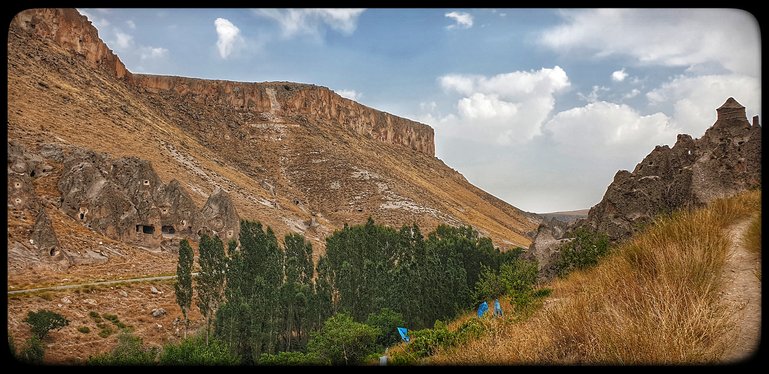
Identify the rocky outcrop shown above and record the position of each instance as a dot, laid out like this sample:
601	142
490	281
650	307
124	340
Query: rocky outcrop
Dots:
221	215
725	161
72	31
278	102
544	249
126	200
44	239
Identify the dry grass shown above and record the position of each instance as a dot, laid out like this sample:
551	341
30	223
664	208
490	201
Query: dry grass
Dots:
655	300
752	239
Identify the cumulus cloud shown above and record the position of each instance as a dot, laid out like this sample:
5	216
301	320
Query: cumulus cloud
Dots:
505	108
694	99
350	94
604	128
147	53
123	40
311	21
228	37
594	94
461	20
619	75
669	37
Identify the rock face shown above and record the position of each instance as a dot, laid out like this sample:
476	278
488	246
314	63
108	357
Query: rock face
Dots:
725	161
273	101
544	249
44	239
74	32
296	157
126	200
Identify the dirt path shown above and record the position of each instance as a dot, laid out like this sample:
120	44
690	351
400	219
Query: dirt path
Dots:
742	294
102	283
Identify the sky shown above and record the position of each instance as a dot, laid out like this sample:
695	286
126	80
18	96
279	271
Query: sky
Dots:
539	107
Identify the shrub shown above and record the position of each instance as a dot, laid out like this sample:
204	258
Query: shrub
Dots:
386	322
44	321
291	359
84	329
34	351
582	252
105	332
194	351
426	342
343	341
111	317
129	351
472	328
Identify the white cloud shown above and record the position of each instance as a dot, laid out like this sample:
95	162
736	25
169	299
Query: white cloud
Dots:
694	99
604	129
131	24
633	93
619	75
228	37
122	40
98	22
350	94
311	21
594	94
462	20
669	37
505	108
147	53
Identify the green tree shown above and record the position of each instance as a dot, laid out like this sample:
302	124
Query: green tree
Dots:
44	321
386	322
183	286
343	341
195	351
211	278
129	351
583	251
34	351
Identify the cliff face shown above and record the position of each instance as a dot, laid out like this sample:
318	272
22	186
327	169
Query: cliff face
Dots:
72	31
280	101
724	161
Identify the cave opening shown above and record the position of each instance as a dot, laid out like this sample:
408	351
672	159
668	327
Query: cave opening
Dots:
146	229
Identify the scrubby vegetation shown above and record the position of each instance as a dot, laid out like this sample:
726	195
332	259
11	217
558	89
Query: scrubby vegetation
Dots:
653	300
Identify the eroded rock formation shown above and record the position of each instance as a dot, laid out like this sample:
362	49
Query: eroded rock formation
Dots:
723	162
126	200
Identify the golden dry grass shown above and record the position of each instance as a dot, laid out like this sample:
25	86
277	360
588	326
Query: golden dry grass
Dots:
655	300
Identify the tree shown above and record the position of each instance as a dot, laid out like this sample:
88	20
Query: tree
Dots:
343	341
44	321
211	277
386	321
129	351
183	285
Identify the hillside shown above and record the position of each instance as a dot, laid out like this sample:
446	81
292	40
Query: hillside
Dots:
108	170
296	157
695	302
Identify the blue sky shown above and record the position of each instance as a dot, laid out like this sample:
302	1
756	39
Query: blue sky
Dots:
539	107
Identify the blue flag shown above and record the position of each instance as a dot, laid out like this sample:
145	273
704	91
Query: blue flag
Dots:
482	309
404	334
497	308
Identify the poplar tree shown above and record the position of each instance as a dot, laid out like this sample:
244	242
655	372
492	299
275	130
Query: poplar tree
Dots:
211	278
183	286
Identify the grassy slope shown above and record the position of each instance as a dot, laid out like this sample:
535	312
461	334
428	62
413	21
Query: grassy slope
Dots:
654	300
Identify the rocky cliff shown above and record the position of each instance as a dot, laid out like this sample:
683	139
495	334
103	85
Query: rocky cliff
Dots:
286	101
85	135
723	162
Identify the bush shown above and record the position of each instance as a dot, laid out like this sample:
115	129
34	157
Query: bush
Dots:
44	321
426	342
343	341
105	332
95	316
582	252
33	352
84	329
386	322
129	351
291	359
472	328
194	351
111	317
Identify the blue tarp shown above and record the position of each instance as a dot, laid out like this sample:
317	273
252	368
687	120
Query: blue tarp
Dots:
482	309
404	334
497	308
